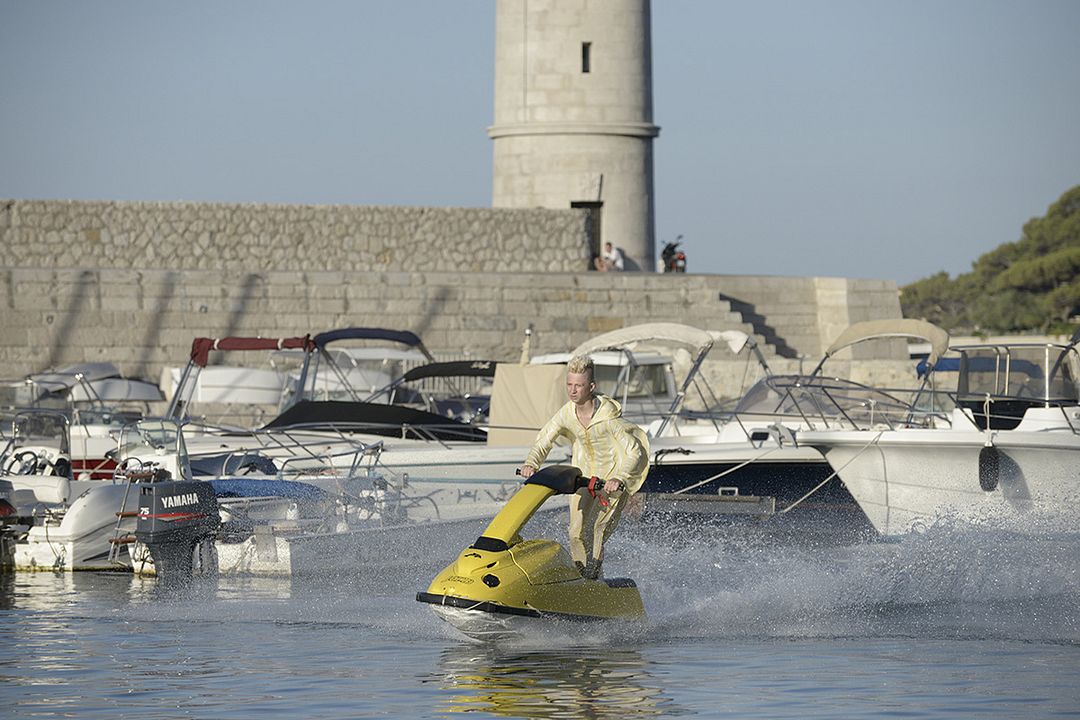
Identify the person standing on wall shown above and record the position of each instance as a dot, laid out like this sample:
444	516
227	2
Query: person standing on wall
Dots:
604	446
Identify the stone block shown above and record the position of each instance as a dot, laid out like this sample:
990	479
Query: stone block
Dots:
597	324
14	337
121	302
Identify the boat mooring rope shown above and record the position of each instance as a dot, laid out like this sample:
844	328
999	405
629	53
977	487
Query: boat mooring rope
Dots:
834	473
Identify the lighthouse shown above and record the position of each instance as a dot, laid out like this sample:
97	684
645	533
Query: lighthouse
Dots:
573	116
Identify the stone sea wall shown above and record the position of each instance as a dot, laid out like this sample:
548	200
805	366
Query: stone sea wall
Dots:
247	238
134	283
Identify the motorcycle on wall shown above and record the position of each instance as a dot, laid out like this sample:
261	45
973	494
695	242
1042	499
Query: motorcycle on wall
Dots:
673	259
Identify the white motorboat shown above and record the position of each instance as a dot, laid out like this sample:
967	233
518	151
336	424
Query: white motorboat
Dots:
1002	450
309	514
309	389
426	438
75	533
74	523
65	523
318	368
62	521
745	462
96	399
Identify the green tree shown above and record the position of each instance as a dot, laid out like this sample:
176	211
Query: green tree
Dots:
937	299
1032	284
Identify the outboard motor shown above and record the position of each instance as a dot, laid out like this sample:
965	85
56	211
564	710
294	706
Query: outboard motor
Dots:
178	522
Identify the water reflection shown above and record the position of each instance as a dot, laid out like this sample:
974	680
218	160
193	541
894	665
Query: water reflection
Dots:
44	591
7	590
49	591
571	683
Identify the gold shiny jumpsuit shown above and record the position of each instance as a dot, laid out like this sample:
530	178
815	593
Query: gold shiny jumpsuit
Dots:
609	447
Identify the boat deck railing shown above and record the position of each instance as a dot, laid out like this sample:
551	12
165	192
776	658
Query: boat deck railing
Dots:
828	405
820	403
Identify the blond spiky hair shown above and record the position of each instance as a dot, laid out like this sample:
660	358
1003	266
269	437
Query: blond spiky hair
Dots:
581	364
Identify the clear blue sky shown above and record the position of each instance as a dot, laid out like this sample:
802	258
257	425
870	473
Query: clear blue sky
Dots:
861	138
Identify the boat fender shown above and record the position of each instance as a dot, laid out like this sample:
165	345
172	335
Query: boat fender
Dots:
989	468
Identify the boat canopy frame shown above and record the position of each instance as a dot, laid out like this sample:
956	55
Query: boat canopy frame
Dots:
890	328
200	357
313	361
700	341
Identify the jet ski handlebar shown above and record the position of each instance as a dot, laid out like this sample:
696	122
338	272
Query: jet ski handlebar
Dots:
503	530
565	480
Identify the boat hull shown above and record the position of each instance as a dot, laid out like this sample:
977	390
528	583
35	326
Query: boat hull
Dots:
82	539
908	479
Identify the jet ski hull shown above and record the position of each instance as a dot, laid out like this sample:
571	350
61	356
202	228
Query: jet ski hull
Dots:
485	621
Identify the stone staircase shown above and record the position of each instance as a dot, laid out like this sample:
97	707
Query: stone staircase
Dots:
771	343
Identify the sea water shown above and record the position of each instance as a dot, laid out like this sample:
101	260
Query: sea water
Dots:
953	622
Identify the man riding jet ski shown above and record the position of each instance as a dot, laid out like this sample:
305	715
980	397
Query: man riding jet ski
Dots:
502	577
604	445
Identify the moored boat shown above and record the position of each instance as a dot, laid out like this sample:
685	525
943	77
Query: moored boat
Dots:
1005	453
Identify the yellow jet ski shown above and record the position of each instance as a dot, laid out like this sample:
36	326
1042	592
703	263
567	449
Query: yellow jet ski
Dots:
502	579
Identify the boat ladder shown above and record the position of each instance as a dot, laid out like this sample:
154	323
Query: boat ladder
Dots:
121	536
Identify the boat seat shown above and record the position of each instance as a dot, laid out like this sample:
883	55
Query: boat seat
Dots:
31	489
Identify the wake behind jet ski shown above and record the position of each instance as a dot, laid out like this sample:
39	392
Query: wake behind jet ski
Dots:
502	578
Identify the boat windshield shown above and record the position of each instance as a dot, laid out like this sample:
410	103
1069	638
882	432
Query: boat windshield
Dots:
1034	372
644	381
43	428
348	373
154	441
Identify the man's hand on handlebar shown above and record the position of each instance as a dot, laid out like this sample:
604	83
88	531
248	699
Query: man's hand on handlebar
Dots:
526	471
613	486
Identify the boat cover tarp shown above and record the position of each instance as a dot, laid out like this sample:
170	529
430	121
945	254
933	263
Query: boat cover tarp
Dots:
66	378
117	390
647	333
736	340
374	418
399	336
457	368
523	398
201	347
894	328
